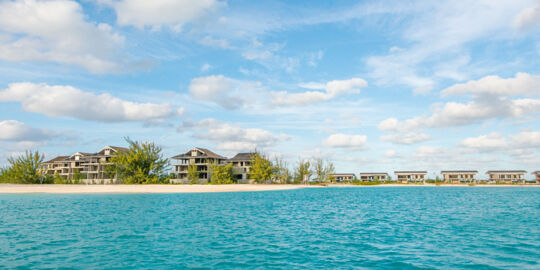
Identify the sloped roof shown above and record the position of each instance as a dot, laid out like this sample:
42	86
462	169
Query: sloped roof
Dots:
206	152
509	171
241	157
374	173
460	171
425	172
58	158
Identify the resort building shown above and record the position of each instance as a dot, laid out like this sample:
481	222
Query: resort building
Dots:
198	159
88	168
342	177
241	167
507	177
372	177
410	176
457	177
536	176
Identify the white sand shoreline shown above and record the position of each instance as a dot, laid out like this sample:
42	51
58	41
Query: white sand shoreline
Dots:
127	189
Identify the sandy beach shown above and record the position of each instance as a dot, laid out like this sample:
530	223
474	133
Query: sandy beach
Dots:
81	189
76	189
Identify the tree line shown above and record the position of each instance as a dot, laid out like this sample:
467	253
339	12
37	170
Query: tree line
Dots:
144	163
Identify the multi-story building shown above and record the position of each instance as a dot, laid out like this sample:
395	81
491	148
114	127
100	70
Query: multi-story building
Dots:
88	168
536	176
342	177
241	166
371	177
460	176
410	176
198	159
507	177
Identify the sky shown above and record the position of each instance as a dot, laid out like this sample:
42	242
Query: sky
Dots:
368	85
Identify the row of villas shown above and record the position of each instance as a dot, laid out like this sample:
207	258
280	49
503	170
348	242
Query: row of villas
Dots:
92	166
453	177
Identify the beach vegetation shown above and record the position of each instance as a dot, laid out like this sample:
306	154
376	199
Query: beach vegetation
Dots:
221	174
323	170
281	171
302	172
193	175
24	169
143	163
261	168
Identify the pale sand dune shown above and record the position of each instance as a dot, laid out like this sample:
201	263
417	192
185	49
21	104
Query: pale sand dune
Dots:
74	189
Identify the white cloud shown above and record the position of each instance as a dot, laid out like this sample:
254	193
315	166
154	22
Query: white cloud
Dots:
521	84
390	153
332	90
525	140
159	13
57	31
346	141
60	100
406	137
230	137
489	142
219	43
13	130
528	18
226	92
205	67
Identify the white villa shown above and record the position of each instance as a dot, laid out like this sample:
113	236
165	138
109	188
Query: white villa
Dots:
343	177
377	176
410	176
507	177
459	176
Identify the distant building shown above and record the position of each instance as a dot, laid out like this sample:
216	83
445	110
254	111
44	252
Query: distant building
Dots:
89	167
507	177
241	167
410	176
342	177
460	176
536	176
371	177
200	158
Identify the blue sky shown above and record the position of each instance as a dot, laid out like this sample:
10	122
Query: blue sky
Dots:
372	86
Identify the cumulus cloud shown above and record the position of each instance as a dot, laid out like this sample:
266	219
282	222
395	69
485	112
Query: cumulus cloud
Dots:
60	100
231	137
521	84
406	137
528	18
158	13
346	141
496	141
489	142
57	31
331	89
13	130
226	92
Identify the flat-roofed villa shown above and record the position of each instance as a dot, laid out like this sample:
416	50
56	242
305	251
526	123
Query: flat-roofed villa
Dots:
459	176
90	167
342	177
536	176
375	176
241	166
410	176
200	158
507	177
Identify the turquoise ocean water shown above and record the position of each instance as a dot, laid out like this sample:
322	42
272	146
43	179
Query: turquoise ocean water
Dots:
333	228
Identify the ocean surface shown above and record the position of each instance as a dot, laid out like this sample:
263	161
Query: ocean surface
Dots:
331	228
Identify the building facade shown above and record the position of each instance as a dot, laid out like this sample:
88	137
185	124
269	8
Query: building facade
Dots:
372	177
536	176
507	177
342	177
410	176
460	176
241	163
197	159
88	168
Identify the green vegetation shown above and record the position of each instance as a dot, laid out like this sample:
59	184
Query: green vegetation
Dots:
261	168
142	164
323	171
282	174
221	174
193	175
24	169
302	171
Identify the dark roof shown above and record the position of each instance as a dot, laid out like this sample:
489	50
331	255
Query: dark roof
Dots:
509	171
119	149
373	173
343	174
458	171
410	171
207	153
241	157
58	158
